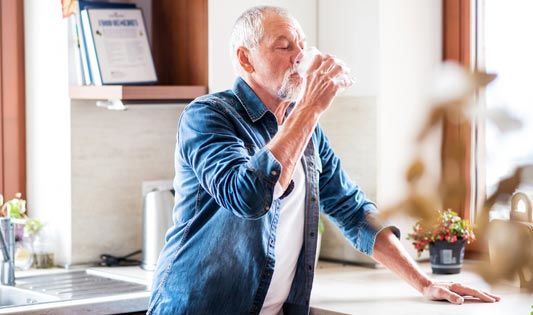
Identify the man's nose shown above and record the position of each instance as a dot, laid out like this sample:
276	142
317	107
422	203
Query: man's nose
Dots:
297	57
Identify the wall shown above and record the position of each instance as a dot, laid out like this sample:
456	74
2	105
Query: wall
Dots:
349	29
113	152
410	35
48	120
392	48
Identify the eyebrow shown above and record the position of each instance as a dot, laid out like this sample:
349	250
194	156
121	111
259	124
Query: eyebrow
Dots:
283	37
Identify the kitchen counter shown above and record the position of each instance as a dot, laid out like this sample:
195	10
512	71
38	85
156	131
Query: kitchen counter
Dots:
349	289
116	304
337	289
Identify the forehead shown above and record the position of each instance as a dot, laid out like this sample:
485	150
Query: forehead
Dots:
276	26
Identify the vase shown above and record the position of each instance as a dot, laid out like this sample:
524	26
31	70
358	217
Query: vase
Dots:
446	258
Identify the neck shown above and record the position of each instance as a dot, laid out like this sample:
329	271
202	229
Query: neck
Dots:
277	106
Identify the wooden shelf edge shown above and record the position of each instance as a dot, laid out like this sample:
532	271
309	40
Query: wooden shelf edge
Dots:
136	92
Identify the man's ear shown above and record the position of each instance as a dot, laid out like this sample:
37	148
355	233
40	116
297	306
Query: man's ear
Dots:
243	55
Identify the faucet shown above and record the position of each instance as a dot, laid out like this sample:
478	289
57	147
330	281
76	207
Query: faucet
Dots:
7	242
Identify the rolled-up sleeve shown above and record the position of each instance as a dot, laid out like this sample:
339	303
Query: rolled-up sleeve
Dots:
239	181
345	203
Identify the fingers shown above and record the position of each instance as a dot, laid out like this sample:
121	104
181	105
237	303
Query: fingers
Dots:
442	293
454	297
327	64
465	290
494	296
335	71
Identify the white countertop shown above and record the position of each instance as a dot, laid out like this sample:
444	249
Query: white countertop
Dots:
340	288
359	290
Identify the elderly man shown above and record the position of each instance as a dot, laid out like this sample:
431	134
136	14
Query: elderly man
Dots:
253	169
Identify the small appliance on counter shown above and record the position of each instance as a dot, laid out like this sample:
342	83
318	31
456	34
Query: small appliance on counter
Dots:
158	202
509	241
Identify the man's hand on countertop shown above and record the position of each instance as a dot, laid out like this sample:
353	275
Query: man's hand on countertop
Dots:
455	292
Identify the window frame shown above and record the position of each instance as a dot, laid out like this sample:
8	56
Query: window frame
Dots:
457	34
460	42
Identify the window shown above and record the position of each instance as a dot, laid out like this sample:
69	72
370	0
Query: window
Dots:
504	47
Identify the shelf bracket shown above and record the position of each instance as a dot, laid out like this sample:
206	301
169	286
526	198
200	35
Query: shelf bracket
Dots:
111	104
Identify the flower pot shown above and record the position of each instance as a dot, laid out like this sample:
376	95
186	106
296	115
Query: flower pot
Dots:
447	258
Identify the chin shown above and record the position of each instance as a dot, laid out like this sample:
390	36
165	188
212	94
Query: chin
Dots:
290	87
289	93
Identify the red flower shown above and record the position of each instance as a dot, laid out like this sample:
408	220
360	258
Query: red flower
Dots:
450	227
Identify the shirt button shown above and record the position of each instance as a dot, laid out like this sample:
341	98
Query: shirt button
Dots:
310	267
274	173
312	234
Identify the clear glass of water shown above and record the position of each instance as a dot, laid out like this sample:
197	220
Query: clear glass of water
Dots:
305	62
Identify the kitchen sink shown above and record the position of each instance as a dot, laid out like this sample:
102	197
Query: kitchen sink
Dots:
65	286
13	296
78	285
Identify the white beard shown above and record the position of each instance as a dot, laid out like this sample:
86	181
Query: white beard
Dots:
289	91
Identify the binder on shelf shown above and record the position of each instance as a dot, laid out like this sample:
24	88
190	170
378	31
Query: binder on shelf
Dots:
92	60
80	6
117	46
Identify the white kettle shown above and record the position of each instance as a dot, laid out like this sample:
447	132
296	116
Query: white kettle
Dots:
157	219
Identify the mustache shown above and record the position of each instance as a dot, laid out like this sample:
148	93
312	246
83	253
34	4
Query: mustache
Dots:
292	70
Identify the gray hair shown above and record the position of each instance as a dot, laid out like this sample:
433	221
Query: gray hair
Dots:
248	30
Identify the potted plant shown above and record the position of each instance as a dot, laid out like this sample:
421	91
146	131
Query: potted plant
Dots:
446	240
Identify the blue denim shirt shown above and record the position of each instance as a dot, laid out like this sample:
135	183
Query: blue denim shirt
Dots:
218	257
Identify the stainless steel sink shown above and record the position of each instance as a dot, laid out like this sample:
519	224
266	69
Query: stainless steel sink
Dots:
72	285
13	296
78	285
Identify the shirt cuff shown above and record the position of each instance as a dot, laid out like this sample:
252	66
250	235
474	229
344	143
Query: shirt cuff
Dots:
266	165
371	227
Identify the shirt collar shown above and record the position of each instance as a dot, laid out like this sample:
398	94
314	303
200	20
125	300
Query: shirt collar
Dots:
249	100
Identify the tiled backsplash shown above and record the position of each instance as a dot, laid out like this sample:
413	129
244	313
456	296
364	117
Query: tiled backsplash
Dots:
350	125
112	153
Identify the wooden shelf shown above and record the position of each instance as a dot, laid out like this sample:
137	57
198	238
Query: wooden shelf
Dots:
179	48
137	93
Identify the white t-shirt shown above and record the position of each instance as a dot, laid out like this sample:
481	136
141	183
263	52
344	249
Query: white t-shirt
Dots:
289	240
